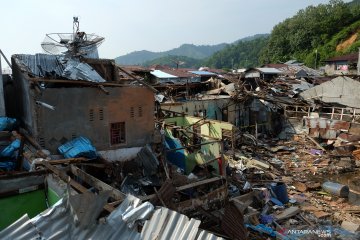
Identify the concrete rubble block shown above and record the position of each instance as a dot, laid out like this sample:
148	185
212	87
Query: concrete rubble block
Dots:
350	226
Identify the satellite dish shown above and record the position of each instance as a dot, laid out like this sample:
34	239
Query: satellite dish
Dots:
74	44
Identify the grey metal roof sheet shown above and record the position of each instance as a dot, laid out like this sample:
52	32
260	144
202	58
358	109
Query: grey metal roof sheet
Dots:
59	222
205	73
45	65
269	70
161	74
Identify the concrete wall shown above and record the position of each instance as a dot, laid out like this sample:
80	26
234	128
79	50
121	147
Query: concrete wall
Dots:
133	105
331	69
89	112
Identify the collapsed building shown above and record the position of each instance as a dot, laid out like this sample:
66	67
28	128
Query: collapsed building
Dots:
143	153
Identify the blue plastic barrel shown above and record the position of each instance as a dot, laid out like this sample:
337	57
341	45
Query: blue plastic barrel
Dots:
280	191
336	189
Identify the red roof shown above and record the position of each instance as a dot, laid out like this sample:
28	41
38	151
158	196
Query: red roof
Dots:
349	57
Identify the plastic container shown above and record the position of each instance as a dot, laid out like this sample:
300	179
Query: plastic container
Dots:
336	189
280	191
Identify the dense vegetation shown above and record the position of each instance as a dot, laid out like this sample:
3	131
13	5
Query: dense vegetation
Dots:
242	54
315	29
190	53
312	35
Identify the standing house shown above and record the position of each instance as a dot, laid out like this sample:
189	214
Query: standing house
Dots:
294	70
346	64
174	76
262	73
58	100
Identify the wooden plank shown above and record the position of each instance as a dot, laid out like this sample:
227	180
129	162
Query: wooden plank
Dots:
187	186
195	145
64	161
96	183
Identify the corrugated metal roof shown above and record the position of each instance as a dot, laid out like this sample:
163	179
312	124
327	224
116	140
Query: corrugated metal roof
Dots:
59	222
269	70
55	66
40	64
205	73
166	224
161	74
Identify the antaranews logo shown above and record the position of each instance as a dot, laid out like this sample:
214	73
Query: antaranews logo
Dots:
320	233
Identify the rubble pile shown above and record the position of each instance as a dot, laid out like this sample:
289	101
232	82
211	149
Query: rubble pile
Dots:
281	185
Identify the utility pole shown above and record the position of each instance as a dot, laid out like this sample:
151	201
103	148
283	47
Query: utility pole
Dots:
316	53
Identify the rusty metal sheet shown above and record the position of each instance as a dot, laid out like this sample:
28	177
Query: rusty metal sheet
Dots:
326	128
233	222
339	125
354	129
314	132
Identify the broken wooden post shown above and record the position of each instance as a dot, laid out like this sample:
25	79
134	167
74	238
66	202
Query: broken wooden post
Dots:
316	143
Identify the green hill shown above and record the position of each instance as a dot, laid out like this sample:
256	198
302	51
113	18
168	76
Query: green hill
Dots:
312	35
187	50
242	54
191	51
315	29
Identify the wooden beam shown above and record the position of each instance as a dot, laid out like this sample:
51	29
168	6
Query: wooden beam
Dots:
199	183
315	142
195	145
200	134
139	80
64	161
77	82
96	183
187	186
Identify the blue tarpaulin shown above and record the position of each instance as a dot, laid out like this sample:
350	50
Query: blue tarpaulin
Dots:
78	147
7	124
175	157
10	150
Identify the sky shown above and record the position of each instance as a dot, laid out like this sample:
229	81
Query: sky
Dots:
133	25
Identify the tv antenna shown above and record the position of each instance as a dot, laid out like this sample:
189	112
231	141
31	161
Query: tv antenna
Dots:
75	44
